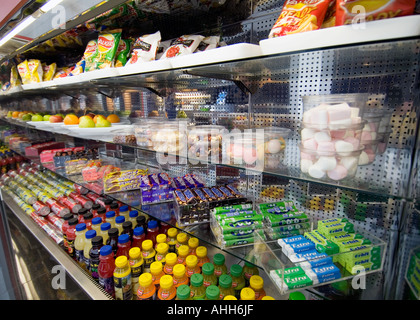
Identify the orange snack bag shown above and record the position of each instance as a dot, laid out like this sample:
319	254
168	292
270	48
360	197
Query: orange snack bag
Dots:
300	16
348	10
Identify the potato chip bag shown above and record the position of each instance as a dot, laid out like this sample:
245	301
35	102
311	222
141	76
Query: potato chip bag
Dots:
89	55
35	70
299	16
123	51
23	70
14	77
48	71
79	68
107	48
145	48
349	10
186	44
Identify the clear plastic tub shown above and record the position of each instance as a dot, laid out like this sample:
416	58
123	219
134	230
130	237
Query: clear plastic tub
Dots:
329	166
383	141
146	129
205	140
244	150
337	111
371	128
274	139
367	156
124	136
170	137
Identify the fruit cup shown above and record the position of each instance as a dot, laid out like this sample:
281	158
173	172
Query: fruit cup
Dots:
329	165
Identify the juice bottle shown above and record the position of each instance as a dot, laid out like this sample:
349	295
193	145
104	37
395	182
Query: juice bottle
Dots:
128	229
183	292
136	265
124	245
156	269
180	275
238	280
71	236
101	213
208	273
90	234
106	269
171	240
230	297
64	228
80	214
123	211
225	286
256	283
107	204
79	244
212	293
247	294
249	270
148	253
181	239
115	207
122	279
219	265
167	290
171	260
191	265
198	290
110	218
87	218
146	290
97	244
96	225
152	230
201	253
104	231
165	224
183	253
118	223
161	252
268	298
113	240
138	237
192	244
94	209
160	238
141	222
132	215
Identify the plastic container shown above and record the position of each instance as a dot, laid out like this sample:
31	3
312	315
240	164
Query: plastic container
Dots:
238	280
329	166
123	211
245	150
148	253
161	252
106	269
94	252
193	243
96	225
160	238
122	279
147	290
132	216
118	223
170	138
171	261
197	288
181	239
371	128
183	252
208	273
146	129
256	283
138	237
274	139
205	141
104	231
124	136
136	263
247	294
171	240
167	290
383	141
191	265
124	245
88	244
183	292
219	265
368	154
110	218
152	230
180	275
249	270
128	229
225	286
212	293
201	253
113	240
156	269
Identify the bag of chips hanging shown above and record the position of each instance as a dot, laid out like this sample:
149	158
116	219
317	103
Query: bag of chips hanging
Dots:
107	48
349	10
145	48
299	16
186	44
123	51
89	55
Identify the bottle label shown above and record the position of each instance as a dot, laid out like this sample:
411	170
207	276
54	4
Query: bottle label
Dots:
123	288
107	284
79	256
146	295
87	262
136	270
93	267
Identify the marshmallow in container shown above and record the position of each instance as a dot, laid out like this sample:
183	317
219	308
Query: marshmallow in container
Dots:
329	116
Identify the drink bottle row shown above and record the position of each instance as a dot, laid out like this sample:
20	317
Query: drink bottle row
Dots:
135	257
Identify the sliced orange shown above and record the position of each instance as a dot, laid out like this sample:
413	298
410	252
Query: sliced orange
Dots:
71	119
113	118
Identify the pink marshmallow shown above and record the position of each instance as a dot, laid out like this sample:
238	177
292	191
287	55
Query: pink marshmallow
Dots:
326	146
366	136
339	112
338	134
371	155
307	156
310	144
356	120
339	173
354	141
319	116
373	127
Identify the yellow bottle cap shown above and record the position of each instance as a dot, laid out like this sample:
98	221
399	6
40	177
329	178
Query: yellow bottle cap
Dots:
134	253
191	261
229	297
166	282
172	232
178	270
145	279
147	245
201	251
267	298
256	282
193	242
183	250
160	238
121	262
156	267
171	258
181	237
247	294
162	247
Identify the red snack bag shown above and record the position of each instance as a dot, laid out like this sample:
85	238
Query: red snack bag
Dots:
348	10
300	16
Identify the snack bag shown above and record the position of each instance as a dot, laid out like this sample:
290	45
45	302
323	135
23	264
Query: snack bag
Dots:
124	49
329	20
14	78
48	71
186	44
163	45
23	70
89	55
78	68
299	16
107	48
208	43
35	70
145	48
348	10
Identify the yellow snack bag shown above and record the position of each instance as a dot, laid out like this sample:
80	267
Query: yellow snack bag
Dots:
49	71
35	70
14	78
23	70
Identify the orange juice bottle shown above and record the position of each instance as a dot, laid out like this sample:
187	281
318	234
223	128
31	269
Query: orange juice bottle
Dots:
247	294
183	253
146	290
181	239
193	244
201	253
156	269
148	253
180	275
171	240
161	252
167	290
160	238
171	260
256	283
192	265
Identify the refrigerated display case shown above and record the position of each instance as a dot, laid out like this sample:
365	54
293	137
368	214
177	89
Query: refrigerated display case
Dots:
251	83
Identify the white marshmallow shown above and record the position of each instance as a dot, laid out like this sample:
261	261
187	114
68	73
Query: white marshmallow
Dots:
322	136
343	146
341	123
339	112
326	163
354	112
350	163
319	116
305	164
310	144
363	159
338	173
315	172
306	134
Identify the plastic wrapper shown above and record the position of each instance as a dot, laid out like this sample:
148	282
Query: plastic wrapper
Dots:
145	48
123	52
349	11
185	44
48	71
14	77
78	68
208	43
89	54
299	16
107	49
